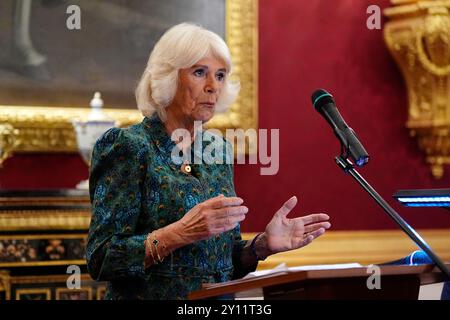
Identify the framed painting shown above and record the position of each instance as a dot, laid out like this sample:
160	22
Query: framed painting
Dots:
49	72
73	294
33	294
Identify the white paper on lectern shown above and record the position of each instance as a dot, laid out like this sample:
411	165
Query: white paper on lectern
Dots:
257	294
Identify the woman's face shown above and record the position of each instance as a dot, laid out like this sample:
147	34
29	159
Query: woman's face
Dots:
199	87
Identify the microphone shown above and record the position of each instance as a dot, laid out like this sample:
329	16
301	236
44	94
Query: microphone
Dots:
323	102
415	258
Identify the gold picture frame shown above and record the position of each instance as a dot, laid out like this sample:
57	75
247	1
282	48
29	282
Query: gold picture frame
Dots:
49	129
68	294
41	292
101	291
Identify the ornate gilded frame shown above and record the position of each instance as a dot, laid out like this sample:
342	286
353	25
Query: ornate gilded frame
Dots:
418	35
60	291
49	129
45	291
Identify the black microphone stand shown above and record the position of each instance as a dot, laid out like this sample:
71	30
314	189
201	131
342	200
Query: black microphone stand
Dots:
347	166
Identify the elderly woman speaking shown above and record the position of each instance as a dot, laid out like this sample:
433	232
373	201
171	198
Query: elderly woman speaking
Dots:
160	229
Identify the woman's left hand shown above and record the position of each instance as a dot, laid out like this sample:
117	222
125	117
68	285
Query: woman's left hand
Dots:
283	234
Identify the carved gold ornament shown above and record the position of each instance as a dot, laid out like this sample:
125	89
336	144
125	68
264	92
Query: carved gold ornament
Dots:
8	141
418	36
49	129
5	285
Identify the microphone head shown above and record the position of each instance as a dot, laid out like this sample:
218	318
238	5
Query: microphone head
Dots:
321	97
415	258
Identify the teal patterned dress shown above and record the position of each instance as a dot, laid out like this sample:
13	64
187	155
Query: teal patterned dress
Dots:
136	188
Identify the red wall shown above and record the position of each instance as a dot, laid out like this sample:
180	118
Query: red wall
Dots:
305	45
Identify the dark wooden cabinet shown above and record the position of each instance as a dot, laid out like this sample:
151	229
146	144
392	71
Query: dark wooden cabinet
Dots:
42	246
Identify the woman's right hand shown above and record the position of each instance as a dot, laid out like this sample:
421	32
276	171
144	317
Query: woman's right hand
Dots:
211	217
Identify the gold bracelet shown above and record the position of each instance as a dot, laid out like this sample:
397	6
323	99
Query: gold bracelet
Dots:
150	247
156	242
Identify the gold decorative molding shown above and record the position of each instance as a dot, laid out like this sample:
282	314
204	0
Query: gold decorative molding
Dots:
49	129
19	201
45	279
8	141
364	247
62	236
5	283
22	213
418	37
42	263
45	291
44	220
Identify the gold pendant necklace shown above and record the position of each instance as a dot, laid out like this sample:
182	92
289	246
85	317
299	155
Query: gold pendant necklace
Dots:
186	168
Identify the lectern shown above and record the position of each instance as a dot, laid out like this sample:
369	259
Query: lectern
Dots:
396	282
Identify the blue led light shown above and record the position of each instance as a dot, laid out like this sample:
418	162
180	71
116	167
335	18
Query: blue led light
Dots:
429	204
443	199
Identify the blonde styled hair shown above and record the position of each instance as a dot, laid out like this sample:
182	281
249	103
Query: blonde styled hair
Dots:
181	47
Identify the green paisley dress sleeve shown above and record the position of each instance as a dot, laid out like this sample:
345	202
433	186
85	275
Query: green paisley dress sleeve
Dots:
136	188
